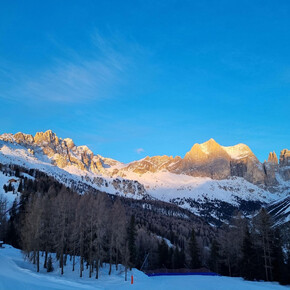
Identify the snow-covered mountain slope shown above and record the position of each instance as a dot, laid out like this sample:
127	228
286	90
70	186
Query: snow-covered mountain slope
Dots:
193	182
213	199
238	151
72	176
165	185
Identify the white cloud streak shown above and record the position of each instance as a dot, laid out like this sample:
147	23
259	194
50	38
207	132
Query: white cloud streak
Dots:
75	78
140	150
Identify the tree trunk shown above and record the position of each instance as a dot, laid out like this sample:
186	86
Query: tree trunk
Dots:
265	260
37	261
91	270
61	263
74	254
117	252
65	258
111	258
97	269
34	258
73	268
230	270
81	266
45	260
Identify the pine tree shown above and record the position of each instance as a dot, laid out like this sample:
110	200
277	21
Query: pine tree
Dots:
17	173
248	254
214	258
278	259
10	187
263	228
181	258
163	254
49	264
12	237
287	269
175	259
194	252
20	186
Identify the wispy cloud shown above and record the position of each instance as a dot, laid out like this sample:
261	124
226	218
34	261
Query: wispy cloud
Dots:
140	150
75	77
73	81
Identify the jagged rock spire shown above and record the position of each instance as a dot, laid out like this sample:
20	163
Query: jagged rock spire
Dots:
285	157
272	158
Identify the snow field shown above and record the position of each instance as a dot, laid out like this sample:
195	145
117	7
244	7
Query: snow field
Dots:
18	274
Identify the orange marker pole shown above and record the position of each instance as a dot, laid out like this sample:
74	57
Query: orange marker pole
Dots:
132	280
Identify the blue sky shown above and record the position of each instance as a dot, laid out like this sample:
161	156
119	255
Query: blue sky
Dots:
137	78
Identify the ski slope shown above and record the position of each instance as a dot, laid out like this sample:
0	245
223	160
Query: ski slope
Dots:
17	274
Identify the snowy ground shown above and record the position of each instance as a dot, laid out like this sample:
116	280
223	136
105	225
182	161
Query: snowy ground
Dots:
15	273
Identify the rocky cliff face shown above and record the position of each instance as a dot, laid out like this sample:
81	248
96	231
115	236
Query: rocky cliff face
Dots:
208	159
285	164
271	168
285	157
153	164
62	152
237	160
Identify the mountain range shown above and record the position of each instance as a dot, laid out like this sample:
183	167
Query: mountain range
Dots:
210	180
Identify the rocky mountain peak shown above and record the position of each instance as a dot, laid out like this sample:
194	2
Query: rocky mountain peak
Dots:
196	154
285	157
205	151
272	158
214	150
206	159
69	143
46	137
210	143
24	138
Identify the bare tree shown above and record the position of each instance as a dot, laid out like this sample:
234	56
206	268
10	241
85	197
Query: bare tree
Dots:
231	241
101	223
264	236
33	229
